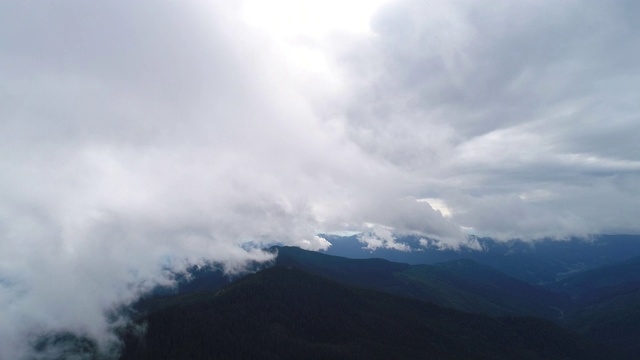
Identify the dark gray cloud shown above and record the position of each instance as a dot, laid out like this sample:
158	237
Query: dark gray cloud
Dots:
140	136
522	117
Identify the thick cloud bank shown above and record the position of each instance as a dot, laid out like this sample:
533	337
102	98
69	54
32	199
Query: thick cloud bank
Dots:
521	117
138	137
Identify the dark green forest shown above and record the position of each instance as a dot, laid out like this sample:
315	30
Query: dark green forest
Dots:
286	313
316	306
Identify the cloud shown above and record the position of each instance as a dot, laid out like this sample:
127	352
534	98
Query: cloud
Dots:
483	104
137	137
381	237
147	137
140	137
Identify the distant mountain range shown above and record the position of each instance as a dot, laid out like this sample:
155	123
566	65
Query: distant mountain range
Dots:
600	304
540	262
310	305
603	303
461	284
286	313
607	304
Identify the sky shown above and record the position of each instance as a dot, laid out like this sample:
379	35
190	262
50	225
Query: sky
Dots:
138	137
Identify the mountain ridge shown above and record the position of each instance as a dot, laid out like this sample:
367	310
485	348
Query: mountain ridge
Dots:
287	313
461	284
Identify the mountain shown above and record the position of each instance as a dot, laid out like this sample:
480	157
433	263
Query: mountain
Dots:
461	284
286	313
539	262
590	285
607	304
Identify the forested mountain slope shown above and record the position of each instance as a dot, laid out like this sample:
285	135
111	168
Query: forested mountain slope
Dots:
282	313
461	284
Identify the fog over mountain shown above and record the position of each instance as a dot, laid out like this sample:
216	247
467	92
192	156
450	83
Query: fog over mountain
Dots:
139	138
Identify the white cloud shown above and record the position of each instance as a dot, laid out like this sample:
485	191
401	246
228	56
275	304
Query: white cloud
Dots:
486	106
140	135
381	237
125	146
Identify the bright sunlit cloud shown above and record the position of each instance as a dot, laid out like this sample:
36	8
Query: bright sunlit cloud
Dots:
310	18
438	205
302	28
